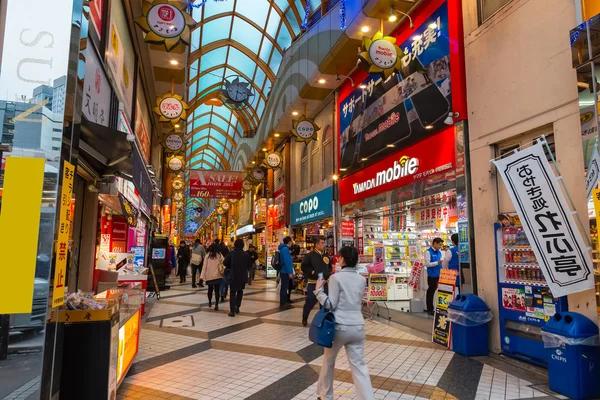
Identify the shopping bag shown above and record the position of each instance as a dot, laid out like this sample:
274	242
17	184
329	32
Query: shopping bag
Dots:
322	327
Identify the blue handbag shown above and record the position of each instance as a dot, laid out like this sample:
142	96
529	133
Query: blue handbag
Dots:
322	328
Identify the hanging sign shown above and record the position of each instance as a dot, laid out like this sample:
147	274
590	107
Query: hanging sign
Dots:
171	108
220	210
175	163
305	129
593	173
97	92
166	22
247	185
177	184
380	55
129	211
547	221
273	160
173	142
258	174
179	205
58	296
226	206
215	184
178	196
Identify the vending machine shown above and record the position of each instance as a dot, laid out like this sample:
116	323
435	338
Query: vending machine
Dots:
524	298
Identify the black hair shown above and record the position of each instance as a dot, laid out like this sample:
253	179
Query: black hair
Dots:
287	239
239	244
318	240
217	241
182	243
438	240
502	217
350	256
454	238
251	246
197	241
213	250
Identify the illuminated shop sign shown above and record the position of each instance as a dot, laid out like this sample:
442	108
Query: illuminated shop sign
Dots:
313	207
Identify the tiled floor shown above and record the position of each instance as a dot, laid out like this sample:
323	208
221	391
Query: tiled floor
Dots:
190	351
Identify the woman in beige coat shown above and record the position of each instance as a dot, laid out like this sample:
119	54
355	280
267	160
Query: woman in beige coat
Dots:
211	274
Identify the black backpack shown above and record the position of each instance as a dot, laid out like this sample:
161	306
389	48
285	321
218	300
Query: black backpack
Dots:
276	261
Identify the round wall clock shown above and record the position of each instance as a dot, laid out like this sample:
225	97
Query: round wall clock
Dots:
177	184
175	163
237	92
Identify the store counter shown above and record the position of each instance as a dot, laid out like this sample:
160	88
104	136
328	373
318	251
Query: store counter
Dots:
99	343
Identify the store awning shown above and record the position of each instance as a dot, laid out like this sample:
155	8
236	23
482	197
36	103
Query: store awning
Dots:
106	150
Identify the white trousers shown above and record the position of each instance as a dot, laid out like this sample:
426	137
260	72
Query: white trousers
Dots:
353	339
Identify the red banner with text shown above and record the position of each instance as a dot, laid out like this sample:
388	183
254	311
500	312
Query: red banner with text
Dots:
216	184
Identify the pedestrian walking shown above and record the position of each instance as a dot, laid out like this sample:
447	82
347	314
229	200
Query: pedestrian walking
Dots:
433	262
237	264
286	274
314	263
183	260
252	270
211	273
346	290
223	249
198	254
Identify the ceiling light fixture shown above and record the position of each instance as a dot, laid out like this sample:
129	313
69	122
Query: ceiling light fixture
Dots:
277	135
365	28
174	62
253	162
364	159
343	169
322	81
335	177
294	112
390	145
394	18
429	127
177	126
264	149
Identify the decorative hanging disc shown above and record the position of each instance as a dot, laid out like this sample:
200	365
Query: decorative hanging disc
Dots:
247	185
258	174
305	129
220	210
171	108
166	22
178	196
273	160
380	55
226	206
175	163
173	142
237	92
177	184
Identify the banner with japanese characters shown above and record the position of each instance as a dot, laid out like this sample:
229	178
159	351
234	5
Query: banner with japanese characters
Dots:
381	115
64	227
547	221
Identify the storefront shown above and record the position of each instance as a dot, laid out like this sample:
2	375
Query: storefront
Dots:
311	218
401	159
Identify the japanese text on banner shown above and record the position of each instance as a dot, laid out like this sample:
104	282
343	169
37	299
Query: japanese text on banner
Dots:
548	222
64	227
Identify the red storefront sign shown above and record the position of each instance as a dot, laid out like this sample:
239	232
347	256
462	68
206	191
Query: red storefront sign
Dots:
348	229
216	184
414	163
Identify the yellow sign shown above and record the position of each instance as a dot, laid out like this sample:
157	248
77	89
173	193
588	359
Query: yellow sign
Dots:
19	227
596	197
128	344
64	227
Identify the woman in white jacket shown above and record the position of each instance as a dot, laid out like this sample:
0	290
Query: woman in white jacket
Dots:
346	289
211	274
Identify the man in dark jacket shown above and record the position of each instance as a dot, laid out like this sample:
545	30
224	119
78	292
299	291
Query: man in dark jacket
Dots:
254	256
183	260
314	263
237	262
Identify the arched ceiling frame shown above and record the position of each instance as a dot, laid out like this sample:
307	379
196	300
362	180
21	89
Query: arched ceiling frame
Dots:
204	152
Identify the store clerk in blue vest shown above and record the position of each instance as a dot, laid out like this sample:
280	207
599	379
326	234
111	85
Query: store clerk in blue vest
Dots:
433	262
451	260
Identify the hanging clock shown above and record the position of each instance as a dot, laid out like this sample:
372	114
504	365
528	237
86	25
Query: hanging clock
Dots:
175	163
237	92
177	184
258	173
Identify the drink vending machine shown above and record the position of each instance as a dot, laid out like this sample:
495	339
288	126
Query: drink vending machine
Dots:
524	298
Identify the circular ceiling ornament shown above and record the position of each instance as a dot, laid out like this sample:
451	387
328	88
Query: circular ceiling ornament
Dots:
305	129
273	160
175	163
173	142
380	55
166	22
171	108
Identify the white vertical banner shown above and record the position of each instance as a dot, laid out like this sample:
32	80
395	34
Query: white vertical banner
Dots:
593	173
547	221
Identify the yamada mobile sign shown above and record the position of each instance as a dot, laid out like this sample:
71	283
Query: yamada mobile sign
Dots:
313	207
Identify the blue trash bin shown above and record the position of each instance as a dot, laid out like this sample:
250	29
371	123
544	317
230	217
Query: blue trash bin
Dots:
572	348
469	315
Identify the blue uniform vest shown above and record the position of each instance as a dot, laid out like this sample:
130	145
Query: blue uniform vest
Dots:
435	256
454	264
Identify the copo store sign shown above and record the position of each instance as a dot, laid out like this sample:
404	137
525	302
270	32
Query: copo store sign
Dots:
312	208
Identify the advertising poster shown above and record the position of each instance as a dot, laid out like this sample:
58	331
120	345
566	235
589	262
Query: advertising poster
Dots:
445	295
415	275
121	67
547	220
142	124
378	287
408	107
96	90
128	344
348	229
96	10
513	299
138	255
216	184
